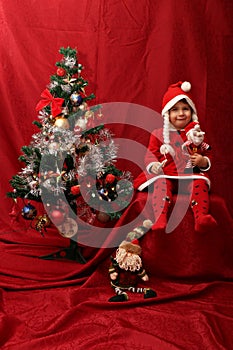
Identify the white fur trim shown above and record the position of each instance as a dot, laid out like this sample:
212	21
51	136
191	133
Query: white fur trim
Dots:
176	99
209	164
165	149
186	86
184	177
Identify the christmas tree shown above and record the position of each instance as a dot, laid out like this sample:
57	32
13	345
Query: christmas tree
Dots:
70	162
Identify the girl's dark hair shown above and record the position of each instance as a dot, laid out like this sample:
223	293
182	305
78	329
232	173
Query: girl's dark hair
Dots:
184	101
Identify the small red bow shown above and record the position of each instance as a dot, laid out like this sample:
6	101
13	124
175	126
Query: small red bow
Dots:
56	103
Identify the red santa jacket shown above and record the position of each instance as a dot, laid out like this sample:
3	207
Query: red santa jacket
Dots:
175	167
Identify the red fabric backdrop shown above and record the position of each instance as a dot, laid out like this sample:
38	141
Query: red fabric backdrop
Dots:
131	51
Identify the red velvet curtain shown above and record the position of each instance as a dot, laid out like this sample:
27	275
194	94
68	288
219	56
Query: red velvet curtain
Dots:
131	51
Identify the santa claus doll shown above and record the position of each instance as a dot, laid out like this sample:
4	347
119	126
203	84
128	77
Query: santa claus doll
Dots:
194	144
126	270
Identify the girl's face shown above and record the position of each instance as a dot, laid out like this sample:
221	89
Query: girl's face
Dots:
180	115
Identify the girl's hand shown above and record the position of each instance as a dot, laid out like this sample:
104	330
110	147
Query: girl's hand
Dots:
157	167
199	160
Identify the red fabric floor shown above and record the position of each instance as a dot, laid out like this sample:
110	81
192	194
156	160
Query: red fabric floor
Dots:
63	304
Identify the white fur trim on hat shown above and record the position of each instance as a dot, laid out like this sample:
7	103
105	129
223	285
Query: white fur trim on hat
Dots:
186	86
176	99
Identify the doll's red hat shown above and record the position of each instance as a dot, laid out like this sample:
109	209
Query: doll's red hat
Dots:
177	92
190	126
135	241
131	247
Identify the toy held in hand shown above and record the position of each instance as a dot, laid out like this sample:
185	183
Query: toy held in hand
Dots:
126	270
194	134
195	144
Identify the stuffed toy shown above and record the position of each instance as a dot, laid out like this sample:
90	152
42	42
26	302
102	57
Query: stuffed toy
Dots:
195	141
126	270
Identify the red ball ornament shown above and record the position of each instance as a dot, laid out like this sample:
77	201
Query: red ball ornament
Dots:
61	72
57	216
75	190
110	178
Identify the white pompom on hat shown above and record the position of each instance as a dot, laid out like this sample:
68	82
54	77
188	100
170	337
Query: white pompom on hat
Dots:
174	94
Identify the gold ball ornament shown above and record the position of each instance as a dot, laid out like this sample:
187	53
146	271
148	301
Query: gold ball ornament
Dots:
62	123
68	228
103	217
41	222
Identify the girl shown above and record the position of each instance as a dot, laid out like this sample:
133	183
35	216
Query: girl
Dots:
166	161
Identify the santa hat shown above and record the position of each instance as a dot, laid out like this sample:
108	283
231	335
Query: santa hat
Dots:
174	94
190	127
131	247
139	231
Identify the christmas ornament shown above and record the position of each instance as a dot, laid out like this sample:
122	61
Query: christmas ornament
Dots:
89	114
103	217
103	193
110	178
76	99
83	106
57	216
48	99
61	72
75	190
70	81
41	222
62	123
80	124
99	115
29	212
68	228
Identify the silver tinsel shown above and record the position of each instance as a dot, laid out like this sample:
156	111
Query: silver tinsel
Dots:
27	170
91	162
43	114
69	61
110	151
52	85
65	139
67	88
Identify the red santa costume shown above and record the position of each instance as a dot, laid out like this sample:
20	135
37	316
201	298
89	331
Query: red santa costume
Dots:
165	146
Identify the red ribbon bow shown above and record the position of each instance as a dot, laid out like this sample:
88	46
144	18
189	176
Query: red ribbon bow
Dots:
48	99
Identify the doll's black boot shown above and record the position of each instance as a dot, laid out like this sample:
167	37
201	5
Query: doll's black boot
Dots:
120	297
149	293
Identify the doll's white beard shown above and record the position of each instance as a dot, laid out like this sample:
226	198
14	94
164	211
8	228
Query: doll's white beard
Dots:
131	263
